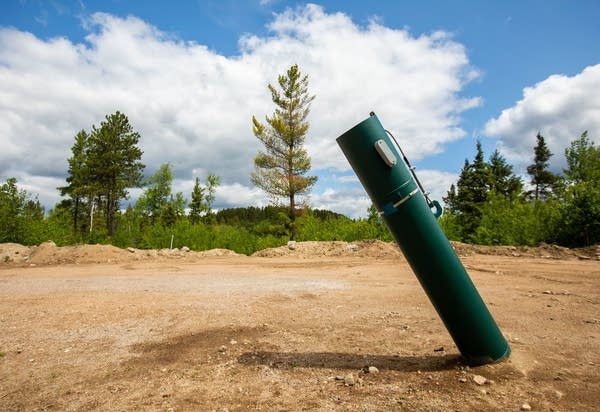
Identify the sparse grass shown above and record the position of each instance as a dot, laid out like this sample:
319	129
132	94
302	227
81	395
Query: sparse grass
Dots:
2	354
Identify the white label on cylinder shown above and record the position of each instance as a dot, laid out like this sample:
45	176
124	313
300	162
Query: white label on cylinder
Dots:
385	152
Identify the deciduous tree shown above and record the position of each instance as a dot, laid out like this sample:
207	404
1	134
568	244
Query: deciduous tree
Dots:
581	198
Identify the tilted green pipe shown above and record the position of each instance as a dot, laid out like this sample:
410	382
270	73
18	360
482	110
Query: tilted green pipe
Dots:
397	194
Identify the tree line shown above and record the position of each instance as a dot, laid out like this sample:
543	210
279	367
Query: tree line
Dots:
490	205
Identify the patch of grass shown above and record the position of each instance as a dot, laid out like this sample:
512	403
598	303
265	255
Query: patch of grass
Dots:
2	354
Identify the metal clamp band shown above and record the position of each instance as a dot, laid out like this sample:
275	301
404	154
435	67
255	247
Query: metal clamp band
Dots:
390	208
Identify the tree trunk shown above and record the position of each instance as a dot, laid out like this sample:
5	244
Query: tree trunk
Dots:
75	215
292	217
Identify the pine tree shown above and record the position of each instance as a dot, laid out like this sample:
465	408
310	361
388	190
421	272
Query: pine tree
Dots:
114	162
197	206
203	198
467	199
541	178
504	182
281	169
78	179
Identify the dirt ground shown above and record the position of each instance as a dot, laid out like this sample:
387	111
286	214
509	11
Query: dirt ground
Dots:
320	326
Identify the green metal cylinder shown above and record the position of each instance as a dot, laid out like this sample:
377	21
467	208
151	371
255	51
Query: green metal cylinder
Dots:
396	194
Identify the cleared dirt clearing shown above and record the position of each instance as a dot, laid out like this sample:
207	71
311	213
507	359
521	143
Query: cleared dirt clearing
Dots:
295	331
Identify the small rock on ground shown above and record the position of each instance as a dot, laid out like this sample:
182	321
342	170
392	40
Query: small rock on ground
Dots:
479	380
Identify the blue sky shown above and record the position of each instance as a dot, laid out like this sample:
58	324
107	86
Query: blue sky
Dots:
440	74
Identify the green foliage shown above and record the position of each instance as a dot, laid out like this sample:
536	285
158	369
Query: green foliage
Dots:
581	194
513	221
103	165
561	210
202	236
465	201
203	198
541	178
79	185
58	225
156	194
21	217
114	161
157	203
281	169
451	227
504	182
340	228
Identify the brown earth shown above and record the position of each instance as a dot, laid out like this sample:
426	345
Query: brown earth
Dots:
100	328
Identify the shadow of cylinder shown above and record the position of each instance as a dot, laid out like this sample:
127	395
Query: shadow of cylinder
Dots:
337	360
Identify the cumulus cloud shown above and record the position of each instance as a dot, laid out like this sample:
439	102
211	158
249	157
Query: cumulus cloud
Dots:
560	107
193	106
353	201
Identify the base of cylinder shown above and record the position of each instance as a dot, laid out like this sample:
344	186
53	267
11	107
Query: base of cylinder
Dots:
484	360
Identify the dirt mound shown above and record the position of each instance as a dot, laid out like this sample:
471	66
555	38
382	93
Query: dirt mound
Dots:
311	249
218	252
543	251
383	250
13	253
48	253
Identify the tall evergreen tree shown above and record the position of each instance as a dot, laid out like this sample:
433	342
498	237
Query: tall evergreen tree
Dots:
197	206
203	197
114	162
78	186
541	178
504	182
466	200
281	169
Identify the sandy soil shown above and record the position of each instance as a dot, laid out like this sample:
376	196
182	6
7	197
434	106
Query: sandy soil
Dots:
99	328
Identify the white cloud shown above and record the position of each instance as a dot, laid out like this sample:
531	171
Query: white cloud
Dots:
560	107
193	106
354	202
436	183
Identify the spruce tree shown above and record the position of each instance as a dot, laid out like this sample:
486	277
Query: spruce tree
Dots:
467	199
504	182
203	198
541	178
281	169
197	206
78	186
